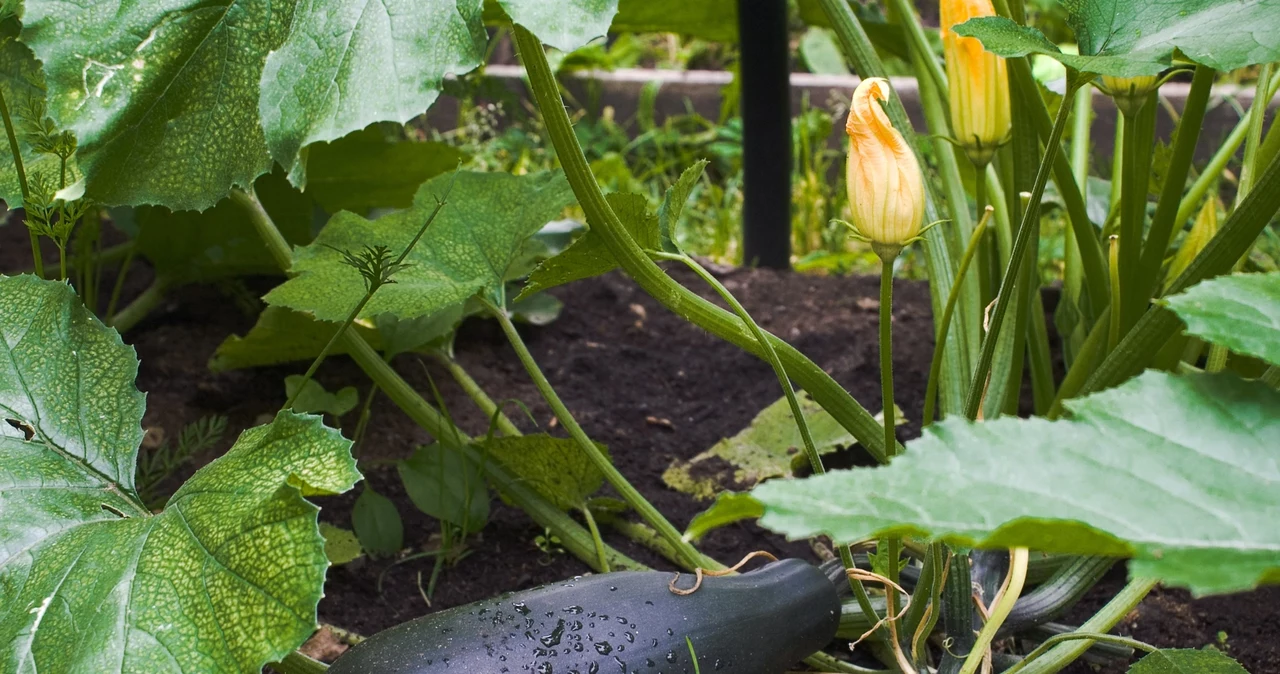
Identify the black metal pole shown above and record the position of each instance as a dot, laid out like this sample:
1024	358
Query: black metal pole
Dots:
766	126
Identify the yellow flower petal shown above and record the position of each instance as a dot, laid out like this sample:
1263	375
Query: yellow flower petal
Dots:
979	82
886	188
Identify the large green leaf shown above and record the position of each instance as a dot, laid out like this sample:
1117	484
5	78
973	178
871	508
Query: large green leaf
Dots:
563	24
346	65
1187	661
162	96
21	79
588	255
466	251
445	483
728	508
313	398
174	102
1240	312
1179	473
225	579
715	20
555	467
821	53
674	201
191	247
377	523
283	336
1135	37
366	169
340	545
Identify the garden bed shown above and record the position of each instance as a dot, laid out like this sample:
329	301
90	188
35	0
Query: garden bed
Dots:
650	386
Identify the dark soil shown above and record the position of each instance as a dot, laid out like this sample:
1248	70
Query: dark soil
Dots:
640	380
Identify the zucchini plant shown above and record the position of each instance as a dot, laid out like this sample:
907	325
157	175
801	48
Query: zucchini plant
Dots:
266	137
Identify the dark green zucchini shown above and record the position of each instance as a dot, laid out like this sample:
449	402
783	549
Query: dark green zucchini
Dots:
759	622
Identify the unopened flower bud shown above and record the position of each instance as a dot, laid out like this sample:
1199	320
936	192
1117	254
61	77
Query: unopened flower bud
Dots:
886	189
978	80
1130	93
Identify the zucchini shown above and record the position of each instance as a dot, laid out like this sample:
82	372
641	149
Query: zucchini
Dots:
759	622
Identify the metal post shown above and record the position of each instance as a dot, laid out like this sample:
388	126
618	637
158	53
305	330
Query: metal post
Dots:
766	125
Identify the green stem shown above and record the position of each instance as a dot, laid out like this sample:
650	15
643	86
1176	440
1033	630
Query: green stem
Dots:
373	282
825	663
1217	358
328	346
643	534
1080	131
1164	221
595	537
1139	128
573	536
1213	170
1072	269
957	610
362	422
633	498
920	45
892	549
1013	271
1056	657
943	244
935	365
142	305
811	451
1037	339
1088	358
961	352
1223	251
1271	377
932	579
16	151
1057	593
297	663
1008	597
1270	147
886	349
633	259
1218	354
1096	637
989	251
1092	256
1117	302
477	394
960	355
1257	114
266	228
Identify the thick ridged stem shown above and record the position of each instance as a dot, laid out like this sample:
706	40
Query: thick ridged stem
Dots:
140	307
1213	170
477	394
1057	657
1030	219
22	180
1005	600
811	450
632	258
1222	252
935	365
886	349
1164	222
